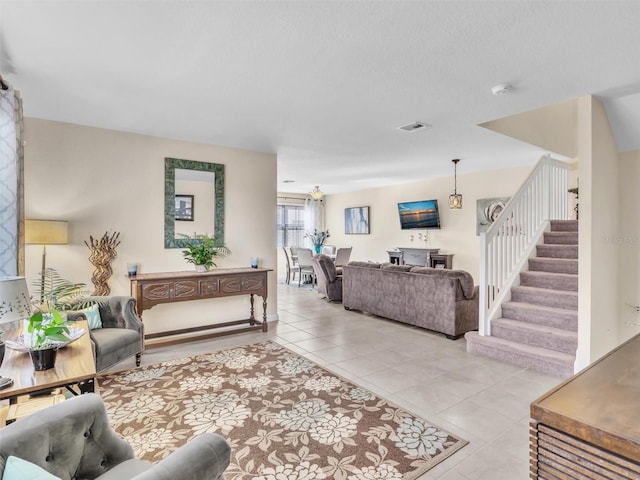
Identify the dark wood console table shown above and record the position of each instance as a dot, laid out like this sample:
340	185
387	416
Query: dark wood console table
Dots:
421	257
150	289
589	426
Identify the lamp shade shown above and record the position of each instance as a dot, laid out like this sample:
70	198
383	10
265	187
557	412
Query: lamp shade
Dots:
46	232
455	201
316	193
14	299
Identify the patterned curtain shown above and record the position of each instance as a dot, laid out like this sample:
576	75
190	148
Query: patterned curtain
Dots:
313	217
11	183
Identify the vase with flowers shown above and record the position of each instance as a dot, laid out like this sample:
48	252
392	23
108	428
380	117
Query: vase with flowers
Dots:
317	238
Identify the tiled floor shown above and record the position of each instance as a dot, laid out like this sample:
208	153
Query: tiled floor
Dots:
481	400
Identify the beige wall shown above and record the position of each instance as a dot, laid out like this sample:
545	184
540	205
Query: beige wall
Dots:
628	242
104	180
551	127
598	316
458	232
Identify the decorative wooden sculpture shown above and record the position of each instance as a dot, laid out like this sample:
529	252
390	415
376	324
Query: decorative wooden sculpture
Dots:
103	251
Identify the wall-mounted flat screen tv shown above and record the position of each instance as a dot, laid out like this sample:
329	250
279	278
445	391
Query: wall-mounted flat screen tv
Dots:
423	214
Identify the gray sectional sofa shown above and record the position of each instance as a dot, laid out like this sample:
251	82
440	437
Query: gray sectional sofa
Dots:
436	299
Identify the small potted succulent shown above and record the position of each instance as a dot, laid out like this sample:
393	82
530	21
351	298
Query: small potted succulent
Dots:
201	249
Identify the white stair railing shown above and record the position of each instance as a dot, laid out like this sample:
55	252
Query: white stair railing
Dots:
511	239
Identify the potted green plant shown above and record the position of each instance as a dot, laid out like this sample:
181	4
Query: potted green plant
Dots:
317	238
47	328
201	249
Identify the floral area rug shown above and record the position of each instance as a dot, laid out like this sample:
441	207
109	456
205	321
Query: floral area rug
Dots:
285	417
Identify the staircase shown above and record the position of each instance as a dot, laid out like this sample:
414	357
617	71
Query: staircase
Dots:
538	328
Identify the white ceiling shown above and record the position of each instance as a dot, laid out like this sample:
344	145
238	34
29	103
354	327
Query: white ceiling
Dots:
324	84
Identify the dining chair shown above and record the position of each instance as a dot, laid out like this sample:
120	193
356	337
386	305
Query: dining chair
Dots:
292	265
305	264
342	258
328	250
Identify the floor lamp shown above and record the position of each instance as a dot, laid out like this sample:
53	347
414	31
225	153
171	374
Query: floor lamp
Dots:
14	305
45	232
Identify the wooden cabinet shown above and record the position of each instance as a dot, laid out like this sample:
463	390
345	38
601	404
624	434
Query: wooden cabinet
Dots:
152	289
589	426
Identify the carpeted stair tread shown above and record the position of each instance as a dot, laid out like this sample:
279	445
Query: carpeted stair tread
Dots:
541	315
554	265
561	238
558	281
536	358
535	335
545	296
557	251
564	225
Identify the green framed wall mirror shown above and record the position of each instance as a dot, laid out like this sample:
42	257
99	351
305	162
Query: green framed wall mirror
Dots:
206	181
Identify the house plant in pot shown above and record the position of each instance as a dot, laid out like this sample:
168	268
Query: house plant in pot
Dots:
48	329
201	249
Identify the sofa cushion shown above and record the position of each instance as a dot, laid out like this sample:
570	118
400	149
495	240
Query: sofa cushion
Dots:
18	469
465	278
396	268
113	345
364	264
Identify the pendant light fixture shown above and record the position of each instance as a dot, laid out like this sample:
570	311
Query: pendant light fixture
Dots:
455	199
316	193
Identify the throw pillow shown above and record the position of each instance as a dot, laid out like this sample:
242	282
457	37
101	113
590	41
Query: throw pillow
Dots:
93	316
18	469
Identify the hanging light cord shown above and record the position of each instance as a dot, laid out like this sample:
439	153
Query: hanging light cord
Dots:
455	176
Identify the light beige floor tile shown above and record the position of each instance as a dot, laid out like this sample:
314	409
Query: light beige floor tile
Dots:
314	344
336	353
491	463
360	366
482	422
296	336
511	406
391	379
427	399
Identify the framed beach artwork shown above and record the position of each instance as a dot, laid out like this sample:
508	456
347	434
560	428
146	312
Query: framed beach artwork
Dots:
356	220
487	211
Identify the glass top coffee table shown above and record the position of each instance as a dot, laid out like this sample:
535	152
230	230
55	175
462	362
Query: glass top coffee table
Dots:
74	366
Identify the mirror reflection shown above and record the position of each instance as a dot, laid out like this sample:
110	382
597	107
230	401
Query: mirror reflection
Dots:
194	204
194	200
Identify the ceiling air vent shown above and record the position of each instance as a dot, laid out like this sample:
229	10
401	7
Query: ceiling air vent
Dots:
414	127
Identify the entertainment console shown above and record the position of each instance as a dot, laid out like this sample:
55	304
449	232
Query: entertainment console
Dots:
421	257
152	289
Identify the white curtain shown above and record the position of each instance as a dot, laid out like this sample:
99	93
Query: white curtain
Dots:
11	182
313	218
